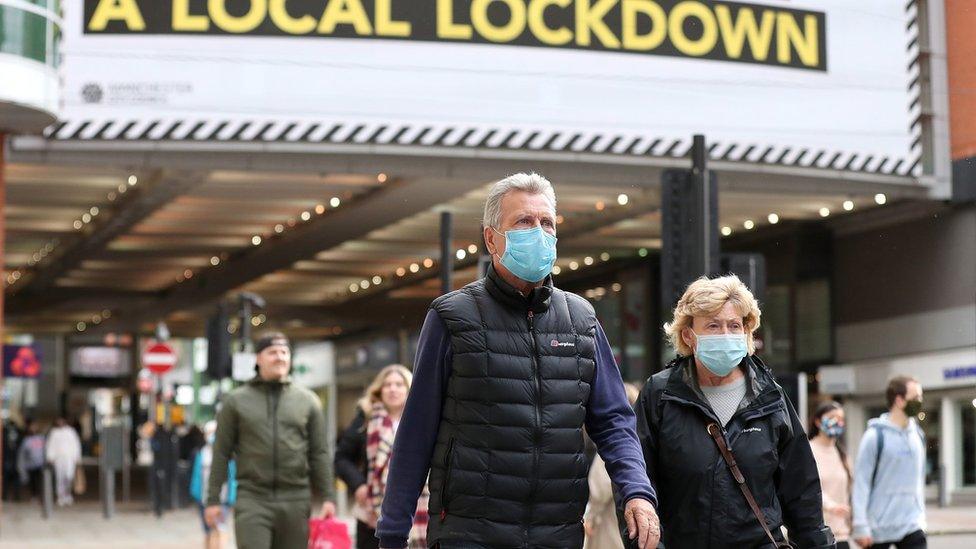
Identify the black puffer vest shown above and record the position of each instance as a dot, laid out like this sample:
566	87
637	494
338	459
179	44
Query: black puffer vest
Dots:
508	469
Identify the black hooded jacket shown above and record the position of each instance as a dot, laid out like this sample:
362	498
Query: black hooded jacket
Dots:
699	503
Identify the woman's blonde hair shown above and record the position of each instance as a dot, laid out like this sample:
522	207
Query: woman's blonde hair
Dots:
705	297
374	393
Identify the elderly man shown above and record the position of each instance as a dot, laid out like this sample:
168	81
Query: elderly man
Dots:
276	433
509	370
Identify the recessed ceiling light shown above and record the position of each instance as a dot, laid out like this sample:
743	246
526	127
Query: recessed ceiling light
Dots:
880	199
848	205
824	212
623	199
726	231
773	218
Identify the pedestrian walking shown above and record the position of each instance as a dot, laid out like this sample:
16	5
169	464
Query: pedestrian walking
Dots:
723	445
371	436
31	459
64	454
889	474
199	484
827	442
12	438
509	370
600	518
276	433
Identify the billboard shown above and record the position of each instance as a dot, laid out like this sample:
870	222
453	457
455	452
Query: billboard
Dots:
823	83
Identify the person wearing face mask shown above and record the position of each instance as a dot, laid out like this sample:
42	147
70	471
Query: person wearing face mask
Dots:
826	441
723	445
509	370
199	479
889	474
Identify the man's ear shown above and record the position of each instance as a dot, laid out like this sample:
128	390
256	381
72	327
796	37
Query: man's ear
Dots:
489	236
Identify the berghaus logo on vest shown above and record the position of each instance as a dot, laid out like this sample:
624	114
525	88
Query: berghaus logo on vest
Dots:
557	343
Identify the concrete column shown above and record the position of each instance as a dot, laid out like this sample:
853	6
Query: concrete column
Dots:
949	431
856	425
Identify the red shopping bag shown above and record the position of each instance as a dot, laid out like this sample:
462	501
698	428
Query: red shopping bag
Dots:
328	534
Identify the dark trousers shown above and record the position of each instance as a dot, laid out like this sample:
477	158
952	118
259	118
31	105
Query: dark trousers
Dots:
843	545
915	540
366	536
11	484
275	524
35	479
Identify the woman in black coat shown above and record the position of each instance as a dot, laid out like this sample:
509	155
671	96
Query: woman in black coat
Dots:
350	466
717	394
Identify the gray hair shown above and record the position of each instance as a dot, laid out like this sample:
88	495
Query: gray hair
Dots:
531	183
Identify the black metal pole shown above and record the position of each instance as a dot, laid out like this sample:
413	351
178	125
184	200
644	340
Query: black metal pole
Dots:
245	329
447	254
701	181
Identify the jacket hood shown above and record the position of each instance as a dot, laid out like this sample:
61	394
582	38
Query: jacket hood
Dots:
884	421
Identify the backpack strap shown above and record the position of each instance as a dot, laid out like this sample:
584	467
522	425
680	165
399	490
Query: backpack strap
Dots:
879	439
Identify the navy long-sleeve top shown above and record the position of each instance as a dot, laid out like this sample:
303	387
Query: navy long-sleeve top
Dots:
610	423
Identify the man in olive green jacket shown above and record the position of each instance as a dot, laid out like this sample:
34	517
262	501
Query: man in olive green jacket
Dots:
276	433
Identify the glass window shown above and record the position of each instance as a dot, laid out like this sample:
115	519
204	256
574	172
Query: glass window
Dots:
813	330
636	319
967	432
23	33
776	327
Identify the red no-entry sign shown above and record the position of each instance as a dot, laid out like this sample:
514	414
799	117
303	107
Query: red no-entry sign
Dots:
159	358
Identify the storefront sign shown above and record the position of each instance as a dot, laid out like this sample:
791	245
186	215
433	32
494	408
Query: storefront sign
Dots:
959	373
813	83
728	31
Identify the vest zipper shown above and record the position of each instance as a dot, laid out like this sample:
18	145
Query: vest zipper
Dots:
447	479
537	432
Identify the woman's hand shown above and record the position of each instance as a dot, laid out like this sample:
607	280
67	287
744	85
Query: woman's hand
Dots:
362	495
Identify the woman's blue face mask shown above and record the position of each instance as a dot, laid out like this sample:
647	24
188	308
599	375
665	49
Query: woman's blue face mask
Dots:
721	353
529	253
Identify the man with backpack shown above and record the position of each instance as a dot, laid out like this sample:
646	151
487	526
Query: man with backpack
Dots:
889	477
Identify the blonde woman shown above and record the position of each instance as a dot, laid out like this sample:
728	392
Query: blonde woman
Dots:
716	403
364	452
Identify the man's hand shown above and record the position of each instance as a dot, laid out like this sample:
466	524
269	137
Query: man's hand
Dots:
362	493
328	510
865	541
642	523
212	515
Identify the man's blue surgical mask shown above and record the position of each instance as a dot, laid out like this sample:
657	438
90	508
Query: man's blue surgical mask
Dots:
721	353
529	253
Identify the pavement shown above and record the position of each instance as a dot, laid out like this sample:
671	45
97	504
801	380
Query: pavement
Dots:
134	527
